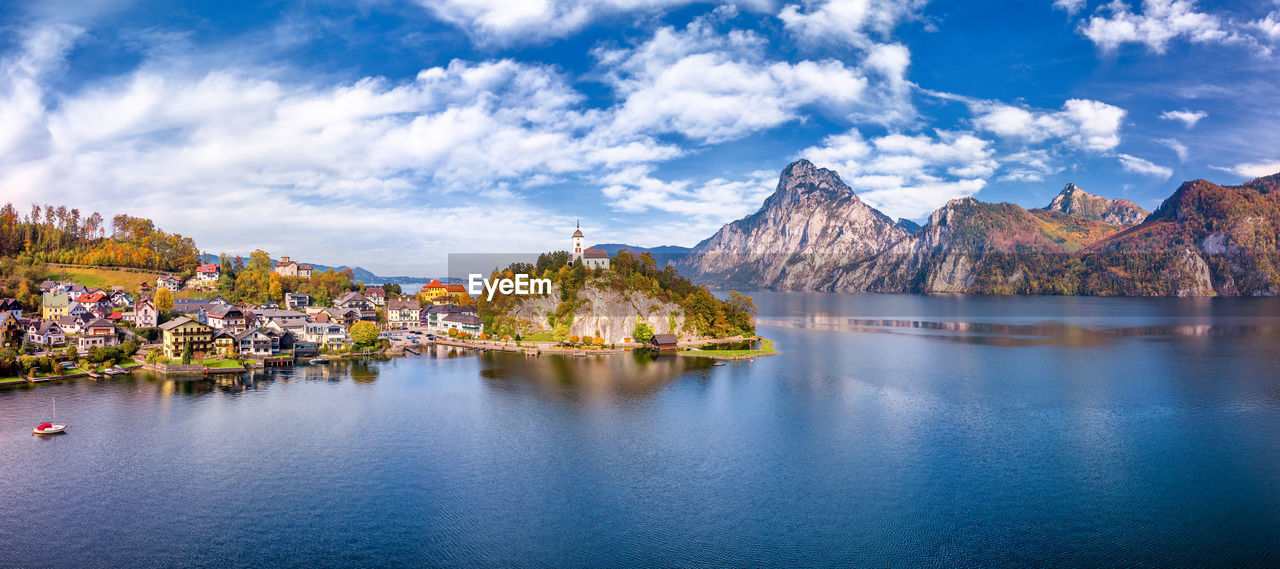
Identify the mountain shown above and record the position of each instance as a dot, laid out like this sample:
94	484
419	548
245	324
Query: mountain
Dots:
908	225
813	233
613	248
809	228
1230	235
1074	201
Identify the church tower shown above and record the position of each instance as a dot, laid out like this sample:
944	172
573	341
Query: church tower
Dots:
575	244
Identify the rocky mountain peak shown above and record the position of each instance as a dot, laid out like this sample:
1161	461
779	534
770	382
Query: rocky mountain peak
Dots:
1074	201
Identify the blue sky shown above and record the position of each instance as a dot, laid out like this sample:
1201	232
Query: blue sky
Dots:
390	133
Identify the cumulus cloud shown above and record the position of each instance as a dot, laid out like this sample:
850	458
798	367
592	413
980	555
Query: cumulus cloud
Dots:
712	87
636	190
523	21
1028	166
1187	118
1142	166
908	175
1155	25
1082	123
852	22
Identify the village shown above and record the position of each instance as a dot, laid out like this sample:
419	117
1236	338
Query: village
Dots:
171	325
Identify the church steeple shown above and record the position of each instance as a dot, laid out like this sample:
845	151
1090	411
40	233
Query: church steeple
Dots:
576	243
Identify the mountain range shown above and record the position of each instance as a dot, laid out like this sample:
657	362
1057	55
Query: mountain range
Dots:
814	233
358	273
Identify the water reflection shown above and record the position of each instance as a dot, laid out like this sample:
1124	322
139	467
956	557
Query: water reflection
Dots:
592	378
1015	334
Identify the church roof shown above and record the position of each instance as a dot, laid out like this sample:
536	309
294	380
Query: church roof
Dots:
577	233
593	253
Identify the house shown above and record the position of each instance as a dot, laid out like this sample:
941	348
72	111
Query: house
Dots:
224	344
169	282
281	340
76	309
404	312
376	295
46	286
11	306
74	323
288	268
253	342
433	290
433	316
218	300
12	330
208	273
144	286
282	319
94	301
121	299
332	335
98	333
595	258
456	292
182	332
224	317
46	333
664	342
356	301
294	300
145	314
462	322
53	305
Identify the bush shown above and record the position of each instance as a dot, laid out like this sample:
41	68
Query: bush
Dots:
642	333
153	355
573	339
598	341
129	348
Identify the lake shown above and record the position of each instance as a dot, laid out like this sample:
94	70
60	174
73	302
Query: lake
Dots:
889	431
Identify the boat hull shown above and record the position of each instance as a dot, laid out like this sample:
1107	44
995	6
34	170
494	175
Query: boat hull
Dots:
53	430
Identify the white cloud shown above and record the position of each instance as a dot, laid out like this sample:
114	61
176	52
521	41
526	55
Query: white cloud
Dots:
851	22
710	204
1143	166
1082	123
523	21
713	87
1069	6
1028	166
1252	169
1178	148
22	94
908	175
1187	118
1158	23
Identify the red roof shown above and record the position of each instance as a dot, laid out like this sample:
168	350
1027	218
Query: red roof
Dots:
115	316
91	297
434	284
455	288
208	268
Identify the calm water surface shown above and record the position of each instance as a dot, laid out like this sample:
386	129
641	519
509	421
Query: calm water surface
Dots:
891	431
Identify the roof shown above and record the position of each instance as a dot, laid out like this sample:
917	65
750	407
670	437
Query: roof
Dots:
350	296
176	322
402	303
278	313
433	284
375	290
91	297
209	268
593	253
222	311
54	300
167	278
449	309
577	233
463	318
10	304
100	323
47	326
455	288
664	339
248	333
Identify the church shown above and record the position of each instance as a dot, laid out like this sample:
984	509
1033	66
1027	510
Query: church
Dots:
591	257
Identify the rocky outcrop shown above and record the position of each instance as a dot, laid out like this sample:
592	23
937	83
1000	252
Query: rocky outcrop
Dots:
602	312
1074	201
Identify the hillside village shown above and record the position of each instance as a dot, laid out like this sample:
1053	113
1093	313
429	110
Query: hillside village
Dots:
170	320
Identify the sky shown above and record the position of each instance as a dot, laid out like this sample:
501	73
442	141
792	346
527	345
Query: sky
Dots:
390	133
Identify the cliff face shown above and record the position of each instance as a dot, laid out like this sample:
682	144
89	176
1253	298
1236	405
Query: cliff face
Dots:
603	312
1074	201
811	225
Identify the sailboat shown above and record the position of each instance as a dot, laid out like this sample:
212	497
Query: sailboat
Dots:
52	427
